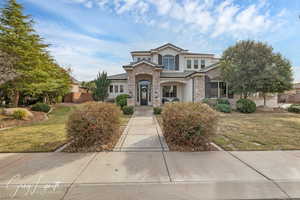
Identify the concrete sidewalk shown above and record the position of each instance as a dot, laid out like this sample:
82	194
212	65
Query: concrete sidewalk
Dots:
141	167
151	175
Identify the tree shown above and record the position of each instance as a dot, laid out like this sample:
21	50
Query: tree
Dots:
250	67
102	84
7	71
89	86
38	74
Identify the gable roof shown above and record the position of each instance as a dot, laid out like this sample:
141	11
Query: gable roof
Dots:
133	64
168	45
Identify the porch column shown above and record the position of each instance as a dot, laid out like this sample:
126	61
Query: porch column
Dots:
156	96
199	88
131	88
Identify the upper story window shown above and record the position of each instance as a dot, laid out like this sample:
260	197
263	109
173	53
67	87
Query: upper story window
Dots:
149	59
202	64
138	59
196	65
189	64
169	62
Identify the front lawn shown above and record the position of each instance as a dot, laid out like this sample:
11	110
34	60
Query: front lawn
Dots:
259	131
43	136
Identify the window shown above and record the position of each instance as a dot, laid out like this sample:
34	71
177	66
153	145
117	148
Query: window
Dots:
195	64
149	59
202	64
121	88
111	88
214	91
218	89
189	64
116	88
170	91
138	59
169	62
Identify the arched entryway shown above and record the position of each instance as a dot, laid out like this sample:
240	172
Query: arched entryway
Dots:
144	89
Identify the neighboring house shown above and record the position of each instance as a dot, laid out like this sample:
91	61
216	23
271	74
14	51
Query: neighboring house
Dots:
77	94
292	96
169	73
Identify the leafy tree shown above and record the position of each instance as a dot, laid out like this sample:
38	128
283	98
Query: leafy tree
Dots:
38	74
250	67
102	84
89	86
7	71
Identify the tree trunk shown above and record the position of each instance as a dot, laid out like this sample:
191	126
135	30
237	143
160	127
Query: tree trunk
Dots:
16	98
265	99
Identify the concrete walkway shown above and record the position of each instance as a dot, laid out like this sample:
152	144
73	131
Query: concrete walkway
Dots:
142	133
146	172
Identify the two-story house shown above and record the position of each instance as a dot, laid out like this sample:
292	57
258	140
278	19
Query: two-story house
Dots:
169	73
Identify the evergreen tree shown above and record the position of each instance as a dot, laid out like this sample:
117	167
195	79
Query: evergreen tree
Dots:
7	71
38	74
102	84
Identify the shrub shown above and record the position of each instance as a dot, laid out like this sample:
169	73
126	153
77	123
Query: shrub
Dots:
157	110
246	106
175	100
121	100
295	108
94	127
128	110
223	101
225	108
189	126
41	107
19	114
210	102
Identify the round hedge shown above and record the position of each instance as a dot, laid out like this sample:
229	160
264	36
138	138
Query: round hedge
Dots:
121	100
189	126
94	127
225	108
41	107
246	106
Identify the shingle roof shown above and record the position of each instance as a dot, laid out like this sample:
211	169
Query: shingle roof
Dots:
166	74
122	76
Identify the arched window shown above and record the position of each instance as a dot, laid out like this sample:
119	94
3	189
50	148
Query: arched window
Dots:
169	62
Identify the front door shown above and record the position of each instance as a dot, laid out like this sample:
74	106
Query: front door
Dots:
144	95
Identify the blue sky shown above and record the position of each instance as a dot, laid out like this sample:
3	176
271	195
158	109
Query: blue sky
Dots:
95	35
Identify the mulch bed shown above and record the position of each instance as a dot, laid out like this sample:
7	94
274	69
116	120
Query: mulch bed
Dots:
7	121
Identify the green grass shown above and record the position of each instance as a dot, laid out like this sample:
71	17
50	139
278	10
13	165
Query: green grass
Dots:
259	131
38	137
43	136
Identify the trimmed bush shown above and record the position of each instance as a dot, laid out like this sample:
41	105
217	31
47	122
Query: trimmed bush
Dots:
225	108
128	110
94	127
189	126
121	100
295	108
176	100
157	110
41	107
223	101
19	114
210	102
246	106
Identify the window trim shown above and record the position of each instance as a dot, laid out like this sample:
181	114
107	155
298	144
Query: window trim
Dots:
203	63
196	61
189	64
168	66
